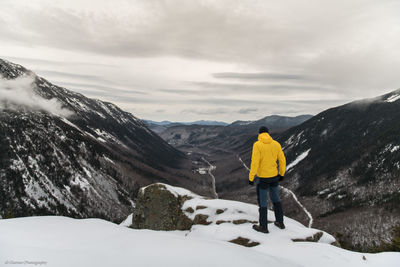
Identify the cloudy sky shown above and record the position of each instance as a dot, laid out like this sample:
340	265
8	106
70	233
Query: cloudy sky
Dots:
225	60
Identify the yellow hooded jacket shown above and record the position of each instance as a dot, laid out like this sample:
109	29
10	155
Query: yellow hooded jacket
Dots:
266	152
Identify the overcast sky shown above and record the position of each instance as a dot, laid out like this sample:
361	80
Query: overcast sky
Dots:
224	60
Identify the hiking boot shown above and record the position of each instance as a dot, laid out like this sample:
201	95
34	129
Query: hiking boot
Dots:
263	222
279	225
278	211
260	229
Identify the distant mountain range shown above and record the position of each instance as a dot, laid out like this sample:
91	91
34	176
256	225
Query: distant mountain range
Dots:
63	153
159	127
238	132
274	122
201	122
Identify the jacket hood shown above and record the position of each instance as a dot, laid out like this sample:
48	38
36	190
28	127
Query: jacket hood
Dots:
265	138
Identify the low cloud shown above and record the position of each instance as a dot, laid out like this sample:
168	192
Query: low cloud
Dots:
263	87
19	94
257	76
205	111
247	110
106	89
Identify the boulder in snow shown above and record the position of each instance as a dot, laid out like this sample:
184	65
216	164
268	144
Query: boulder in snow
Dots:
158	208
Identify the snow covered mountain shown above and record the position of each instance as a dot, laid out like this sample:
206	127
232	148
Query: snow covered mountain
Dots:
226	239
344	163
65	154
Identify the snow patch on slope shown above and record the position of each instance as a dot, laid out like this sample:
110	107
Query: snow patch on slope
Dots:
288	191
392	98
395	148
176	191
298	159
392	148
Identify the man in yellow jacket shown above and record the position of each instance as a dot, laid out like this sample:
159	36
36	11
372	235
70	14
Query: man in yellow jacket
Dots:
266	153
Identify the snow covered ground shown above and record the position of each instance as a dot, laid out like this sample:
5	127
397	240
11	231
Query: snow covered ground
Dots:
63	241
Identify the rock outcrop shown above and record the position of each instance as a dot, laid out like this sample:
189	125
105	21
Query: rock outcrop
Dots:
164	207
159	209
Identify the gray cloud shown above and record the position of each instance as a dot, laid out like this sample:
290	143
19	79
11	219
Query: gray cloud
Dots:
39	61
270	88
264	101
232	52
105	89
247	110
183	92
47	73
222	30
216	111
257	76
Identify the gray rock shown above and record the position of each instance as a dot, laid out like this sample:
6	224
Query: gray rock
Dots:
159	209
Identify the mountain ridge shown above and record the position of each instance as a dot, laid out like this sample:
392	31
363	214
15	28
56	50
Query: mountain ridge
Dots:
90	163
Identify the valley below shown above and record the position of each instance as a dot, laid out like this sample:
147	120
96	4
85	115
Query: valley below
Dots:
324	187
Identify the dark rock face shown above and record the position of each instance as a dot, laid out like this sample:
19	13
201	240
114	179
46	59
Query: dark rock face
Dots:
159	209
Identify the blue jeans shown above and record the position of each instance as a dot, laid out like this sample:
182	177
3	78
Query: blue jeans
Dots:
263	186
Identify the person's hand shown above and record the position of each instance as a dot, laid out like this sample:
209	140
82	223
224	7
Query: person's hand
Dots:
280	178
251	182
